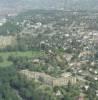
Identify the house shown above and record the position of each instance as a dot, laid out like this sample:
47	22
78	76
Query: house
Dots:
36	61
68	57
81	97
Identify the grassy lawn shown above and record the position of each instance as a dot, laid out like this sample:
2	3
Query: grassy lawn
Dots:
5	63
28	54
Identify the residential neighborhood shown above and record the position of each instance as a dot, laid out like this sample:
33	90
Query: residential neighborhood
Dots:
49	54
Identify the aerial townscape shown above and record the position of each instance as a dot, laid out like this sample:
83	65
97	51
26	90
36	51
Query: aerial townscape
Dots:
49	53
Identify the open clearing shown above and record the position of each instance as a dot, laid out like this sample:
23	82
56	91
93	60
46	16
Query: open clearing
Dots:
28	54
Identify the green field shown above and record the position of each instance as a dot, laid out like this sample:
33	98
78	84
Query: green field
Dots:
28	54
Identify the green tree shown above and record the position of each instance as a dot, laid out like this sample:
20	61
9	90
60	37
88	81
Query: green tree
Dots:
1	59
